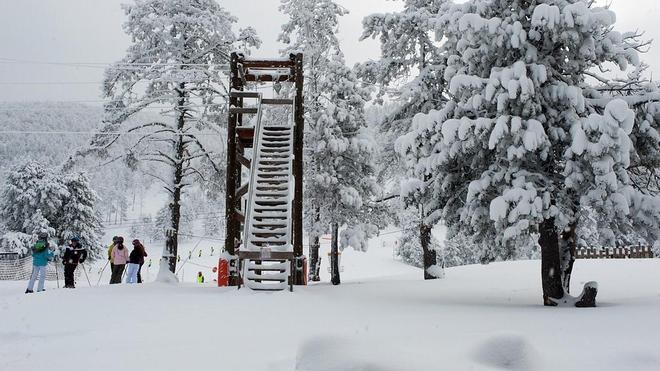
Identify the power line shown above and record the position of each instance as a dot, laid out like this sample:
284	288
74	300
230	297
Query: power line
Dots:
173	107
4	60
50	82
44	132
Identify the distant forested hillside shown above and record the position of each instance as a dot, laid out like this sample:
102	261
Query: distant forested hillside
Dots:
51	148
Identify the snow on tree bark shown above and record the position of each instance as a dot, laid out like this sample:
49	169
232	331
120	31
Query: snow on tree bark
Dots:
335	278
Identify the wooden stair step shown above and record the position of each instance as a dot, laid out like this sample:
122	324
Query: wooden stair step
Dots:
268	225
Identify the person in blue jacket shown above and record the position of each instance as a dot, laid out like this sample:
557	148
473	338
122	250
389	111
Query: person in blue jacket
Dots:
41	254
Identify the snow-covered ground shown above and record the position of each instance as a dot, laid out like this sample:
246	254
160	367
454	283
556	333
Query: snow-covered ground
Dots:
382	317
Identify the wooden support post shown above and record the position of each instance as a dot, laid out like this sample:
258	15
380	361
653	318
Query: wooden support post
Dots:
233	168
298	138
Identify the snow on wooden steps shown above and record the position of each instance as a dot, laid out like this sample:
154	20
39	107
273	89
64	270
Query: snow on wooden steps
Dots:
269	210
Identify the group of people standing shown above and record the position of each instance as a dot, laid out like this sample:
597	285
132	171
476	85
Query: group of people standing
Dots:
74	254
42	253
121	259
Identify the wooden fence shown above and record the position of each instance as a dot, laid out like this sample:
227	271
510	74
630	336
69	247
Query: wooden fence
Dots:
631	252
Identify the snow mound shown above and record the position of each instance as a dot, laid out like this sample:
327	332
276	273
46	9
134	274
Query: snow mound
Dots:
327	353
164	273
507	352
436	271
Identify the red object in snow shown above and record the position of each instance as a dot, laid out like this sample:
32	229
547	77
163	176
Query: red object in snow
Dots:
223	273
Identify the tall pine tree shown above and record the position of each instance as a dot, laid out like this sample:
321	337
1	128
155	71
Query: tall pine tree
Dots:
519	147
410	70
338	164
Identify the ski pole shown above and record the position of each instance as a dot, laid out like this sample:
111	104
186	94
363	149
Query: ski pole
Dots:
86	275
57	274
101	273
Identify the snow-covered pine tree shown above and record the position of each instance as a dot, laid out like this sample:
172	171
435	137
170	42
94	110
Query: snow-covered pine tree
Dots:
30	202
338	168
311	29
411	70
35	199
410	67
28	188
410	248
176	60
341	157
643	96
506	155
79	217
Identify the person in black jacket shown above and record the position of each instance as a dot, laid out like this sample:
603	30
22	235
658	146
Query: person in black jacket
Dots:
73	254
136	259
141	260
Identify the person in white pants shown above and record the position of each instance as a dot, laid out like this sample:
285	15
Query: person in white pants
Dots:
131	272
41	254
134	260
39	272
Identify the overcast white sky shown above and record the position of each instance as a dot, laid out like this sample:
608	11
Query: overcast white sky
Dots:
84	31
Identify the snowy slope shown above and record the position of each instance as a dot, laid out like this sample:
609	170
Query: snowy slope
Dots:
382	317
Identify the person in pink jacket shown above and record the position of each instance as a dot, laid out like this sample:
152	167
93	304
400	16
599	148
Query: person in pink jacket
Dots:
119	258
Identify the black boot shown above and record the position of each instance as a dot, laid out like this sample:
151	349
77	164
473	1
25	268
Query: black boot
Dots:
28	291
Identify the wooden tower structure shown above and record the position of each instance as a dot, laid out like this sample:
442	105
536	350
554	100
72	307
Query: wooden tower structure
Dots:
253	225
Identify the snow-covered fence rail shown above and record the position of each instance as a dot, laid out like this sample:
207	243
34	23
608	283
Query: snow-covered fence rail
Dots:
631	252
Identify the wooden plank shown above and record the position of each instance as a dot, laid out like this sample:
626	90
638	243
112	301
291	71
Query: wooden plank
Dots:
243	190
244	110
264	63
238	216
269	78
243	94
246	136
244	161
277	101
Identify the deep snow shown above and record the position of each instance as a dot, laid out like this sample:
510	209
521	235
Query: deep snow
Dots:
382	317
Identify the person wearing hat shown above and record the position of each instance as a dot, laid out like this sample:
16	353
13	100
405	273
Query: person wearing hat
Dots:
136	259
41	254
73	254
110	247
119	257
144	255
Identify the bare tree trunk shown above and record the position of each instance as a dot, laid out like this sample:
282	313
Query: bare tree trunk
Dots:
429	254
314	246
334	255
175	205
430	258
551	277
568	247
